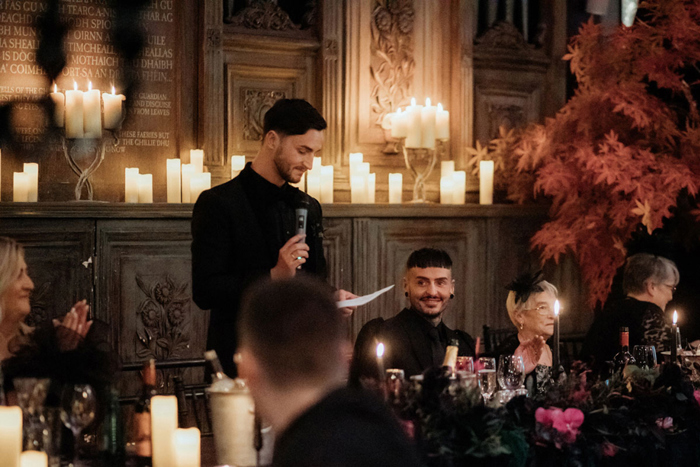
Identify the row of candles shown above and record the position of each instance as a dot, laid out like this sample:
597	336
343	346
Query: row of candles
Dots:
81	112
172	446
420	125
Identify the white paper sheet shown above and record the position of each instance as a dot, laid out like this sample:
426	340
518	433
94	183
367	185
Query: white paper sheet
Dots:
364	299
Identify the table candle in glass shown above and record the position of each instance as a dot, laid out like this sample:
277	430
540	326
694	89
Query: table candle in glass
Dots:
173	180
395	188
32	169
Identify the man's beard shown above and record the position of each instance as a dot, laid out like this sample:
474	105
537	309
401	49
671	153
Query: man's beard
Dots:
284	169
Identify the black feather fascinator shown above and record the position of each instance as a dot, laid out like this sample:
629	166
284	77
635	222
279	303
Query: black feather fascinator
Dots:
526	284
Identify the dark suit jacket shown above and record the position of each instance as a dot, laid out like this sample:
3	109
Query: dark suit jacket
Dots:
407	346
230	251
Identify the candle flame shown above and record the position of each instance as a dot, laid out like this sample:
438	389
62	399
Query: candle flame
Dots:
113	93
380	350
398	111
75	86
413	101
427	102
89	85
556	307
439	107
55	87
675	316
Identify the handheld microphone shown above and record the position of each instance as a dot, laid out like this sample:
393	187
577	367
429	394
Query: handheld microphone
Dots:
301	213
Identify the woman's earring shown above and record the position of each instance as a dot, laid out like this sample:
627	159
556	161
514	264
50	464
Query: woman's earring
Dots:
452	296
521	326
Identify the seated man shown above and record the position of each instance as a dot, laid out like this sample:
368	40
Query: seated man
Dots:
648	283
416	338
293	354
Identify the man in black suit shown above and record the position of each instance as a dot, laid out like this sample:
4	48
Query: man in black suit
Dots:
245	229
416	338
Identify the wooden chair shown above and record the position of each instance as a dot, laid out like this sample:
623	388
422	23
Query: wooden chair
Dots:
570	348
494	337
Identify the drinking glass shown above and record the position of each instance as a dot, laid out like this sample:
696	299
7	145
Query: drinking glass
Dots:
78	407
645	355
487	376
511	372
465	364
31	394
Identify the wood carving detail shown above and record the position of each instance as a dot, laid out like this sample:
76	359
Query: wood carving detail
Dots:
507	116
330	47
256	103
264	14
163	319
40	305
213	38
392	63
504	35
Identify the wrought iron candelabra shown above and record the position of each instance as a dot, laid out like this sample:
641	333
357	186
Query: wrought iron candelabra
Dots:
71	146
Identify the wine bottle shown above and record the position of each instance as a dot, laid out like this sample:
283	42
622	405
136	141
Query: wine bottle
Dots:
219	380
141	422
451	355
113	431
624	357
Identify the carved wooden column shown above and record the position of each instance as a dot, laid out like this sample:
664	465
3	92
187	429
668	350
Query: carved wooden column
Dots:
463	30
211	102
332	80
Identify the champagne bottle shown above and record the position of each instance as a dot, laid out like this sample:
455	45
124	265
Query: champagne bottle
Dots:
219	380
141	422
624	357
451	355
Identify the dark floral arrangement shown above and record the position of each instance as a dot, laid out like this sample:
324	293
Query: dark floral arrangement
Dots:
638	417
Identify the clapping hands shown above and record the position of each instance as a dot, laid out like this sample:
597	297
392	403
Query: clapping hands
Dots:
531	350
74	327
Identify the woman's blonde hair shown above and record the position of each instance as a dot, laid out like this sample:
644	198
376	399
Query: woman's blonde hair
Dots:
514	308
10	254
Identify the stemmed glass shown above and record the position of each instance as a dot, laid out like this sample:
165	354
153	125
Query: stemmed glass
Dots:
487	376
511	373
78	407
464	364
645	355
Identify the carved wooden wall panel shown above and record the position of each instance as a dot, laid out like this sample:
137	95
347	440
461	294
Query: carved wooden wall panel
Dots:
337	246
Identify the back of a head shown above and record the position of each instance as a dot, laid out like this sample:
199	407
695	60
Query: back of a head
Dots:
429	258
294	329
292	117
643	267
10	254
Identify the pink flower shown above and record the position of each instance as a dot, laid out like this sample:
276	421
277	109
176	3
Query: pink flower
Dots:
665	423
544	416
696	394
609	449
567	423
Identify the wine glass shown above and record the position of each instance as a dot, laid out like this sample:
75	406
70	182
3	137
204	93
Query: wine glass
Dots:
465	364
78	407
511	373
645	355
487	376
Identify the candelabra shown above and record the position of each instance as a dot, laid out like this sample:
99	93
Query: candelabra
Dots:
425	158
71	145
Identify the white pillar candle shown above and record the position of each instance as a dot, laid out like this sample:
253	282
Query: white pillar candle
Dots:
355	161
371	188
145	188
447	168
395	188
460	186
447	185
0	175
32	169
131	185
442	124
34	459
74	113
399	128
358	188
428	125
313	184
301	184
199	183
173	179
187	172
59	102
317	164
20	189
92	113
113	109
10	436
486	182
414	137
163	426
197	160
237	164
327	184
187	447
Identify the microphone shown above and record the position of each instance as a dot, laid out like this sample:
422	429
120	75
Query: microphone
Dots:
301	213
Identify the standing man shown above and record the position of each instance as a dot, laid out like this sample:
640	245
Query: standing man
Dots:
416	338
245	229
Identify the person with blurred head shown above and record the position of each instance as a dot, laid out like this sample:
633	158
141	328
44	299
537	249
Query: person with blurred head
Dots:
292	355
648	283
416	338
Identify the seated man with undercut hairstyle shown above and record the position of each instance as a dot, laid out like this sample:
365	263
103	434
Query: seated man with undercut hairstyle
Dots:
293	356
416	338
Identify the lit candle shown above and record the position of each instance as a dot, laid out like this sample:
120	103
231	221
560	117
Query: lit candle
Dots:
187	447
59	102
131	185
447	189
32	169
414	138
674	338
447	168
358	189
327	184
74	112
371	188
313	184
460	186
442	124
92	113
34	459
113	109
486	182
395	188
20	189
428	114
187	172
145	188
317	164
355	161
10	436
163	426
237	164
380	361
555	353
197	160
399	125
199	183
173	179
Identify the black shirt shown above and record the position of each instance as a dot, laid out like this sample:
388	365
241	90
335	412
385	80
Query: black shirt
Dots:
347	428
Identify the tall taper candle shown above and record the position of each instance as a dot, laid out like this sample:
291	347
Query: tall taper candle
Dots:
674	337
113	109
428	125
555	350
74	113
59	102
10	436
380	362
173	179
92	113
414	136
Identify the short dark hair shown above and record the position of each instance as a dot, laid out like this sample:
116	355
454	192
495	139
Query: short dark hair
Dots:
644	267
429	258
292	117
294	328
